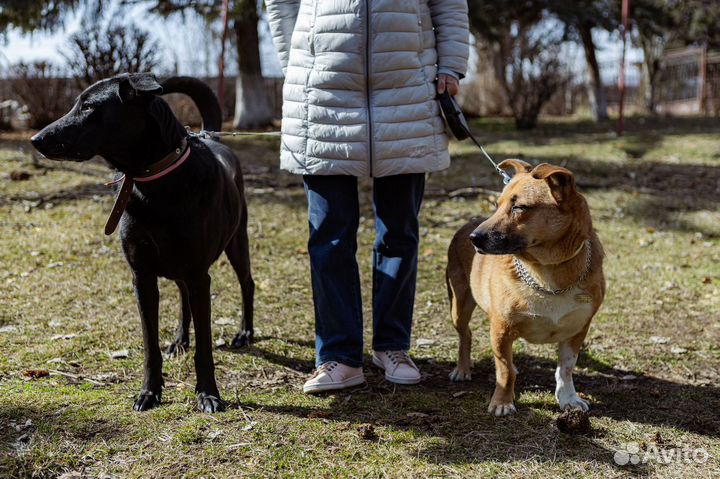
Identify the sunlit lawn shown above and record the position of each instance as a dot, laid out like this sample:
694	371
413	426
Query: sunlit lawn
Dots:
651	365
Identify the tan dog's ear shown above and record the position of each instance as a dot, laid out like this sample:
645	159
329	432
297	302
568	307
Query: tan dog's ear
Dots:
519	165
560	180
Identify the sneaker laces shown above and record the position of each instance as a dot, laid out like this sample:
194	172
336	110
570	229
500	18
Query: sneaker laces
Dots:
325	368
400	357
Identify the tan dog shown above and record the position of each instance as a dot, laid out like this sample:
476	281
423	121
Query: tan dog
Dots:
535	268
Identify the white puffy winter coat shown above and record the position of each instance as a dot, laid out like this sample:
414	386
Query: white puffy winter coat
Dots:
359	97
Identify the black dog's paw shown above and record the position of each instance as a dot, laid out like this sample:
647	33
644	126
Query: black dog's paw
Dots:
146	400
209	403
242	339
177	348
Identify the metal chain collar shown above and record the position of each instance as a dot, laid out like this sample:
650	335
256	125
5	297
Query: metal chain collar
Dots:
527	278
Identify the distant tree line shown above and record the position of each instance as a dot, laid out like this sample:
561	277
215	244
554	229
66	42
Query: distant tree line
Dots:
525	37
527	52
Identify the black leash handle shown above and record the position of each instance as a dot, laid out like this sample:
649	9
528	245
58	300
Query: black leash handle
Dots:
457	123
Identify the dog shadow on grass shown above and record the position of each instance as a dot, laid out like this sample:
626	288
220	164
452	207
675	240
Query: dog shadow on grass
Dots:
457	428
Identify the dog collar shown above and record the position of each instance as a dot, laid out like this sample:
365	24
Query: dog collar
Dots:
527	278
167	164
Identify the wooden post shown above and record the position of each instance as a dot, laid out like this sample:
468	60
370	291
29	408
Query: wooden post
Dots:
621	80
221	63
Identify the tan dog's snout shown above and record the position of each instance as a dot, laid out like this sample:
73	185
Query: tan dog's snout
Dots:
488	240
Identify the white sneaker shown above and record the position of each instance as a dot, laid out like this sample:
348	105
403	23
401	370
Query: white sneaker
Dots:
333	375
398	366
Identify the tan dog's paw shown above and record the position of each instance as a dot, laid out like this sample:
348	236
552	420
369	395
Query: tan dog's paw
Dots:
500	409
573	402
460	374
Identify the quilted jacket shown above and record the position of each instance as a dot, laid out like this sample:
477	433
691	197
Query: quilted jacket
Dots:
359	97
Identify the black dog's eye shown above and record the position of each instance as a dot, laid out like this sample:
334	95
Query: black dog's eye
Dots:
86	107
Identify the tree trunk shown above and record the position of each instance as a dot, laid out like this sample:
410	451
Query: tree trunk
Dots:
596	93
252	105
652	52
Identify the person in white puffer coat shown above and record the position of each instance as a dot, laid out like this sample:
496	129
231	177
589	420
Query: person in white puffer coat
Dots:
359	99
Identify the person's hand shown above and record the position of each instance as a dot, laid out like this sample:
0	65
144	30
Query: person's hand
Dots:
448	82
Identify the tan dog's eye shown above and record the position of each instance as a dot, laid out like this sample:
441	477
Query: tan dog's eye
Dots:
519	208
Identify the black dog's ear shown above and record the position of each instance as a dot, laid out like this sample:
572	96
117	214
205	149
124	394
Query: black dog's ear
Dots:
136	84
145	82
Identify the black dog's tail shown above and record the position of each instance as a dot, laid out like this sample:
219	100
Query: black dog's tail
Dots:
203	97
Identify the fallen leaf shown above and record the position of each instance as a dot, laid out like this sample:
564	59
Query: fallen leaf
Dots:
319	415
62	336
17	175
239	444
224	321
424	343
459	393
659	339
71	475
8	328
678	350
122	354
249	426
220	342
36	373
416	414
629	377
707	280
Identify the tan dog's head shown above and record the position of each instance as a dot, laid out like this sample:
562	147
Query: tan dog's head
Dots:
538	211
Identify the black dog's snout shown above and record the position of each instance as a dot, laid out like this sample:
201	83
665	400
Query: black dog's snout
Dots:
38	140
52	144
46	144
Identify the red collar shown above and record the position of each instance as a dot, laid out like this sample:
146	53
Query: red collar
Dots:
157	170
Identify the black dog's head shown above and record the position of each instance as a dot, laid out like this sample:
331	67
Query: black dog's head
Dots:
114	118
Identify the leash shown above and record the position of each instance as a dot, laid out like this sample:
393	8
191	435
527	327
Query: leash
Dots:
458	126
156	170
210	135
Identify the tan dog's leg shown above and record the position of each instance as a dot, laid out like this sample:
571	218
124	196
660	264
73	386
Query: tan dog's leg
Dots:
462	306
502	340
567	357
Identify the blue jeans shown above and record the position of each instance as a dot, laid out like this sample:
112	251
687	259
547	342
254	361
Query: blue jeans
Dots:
333	213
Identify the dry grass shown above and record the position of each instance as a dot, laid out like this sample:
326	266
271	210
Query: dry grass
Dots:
650	365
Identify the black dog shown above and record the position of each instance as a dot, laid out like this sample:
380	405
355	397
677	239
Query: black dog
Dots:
185	206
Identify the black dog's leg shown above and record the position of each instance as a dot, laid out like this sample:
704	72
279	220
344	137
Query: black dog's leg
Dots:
182	336
238	251
208	397
146	293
